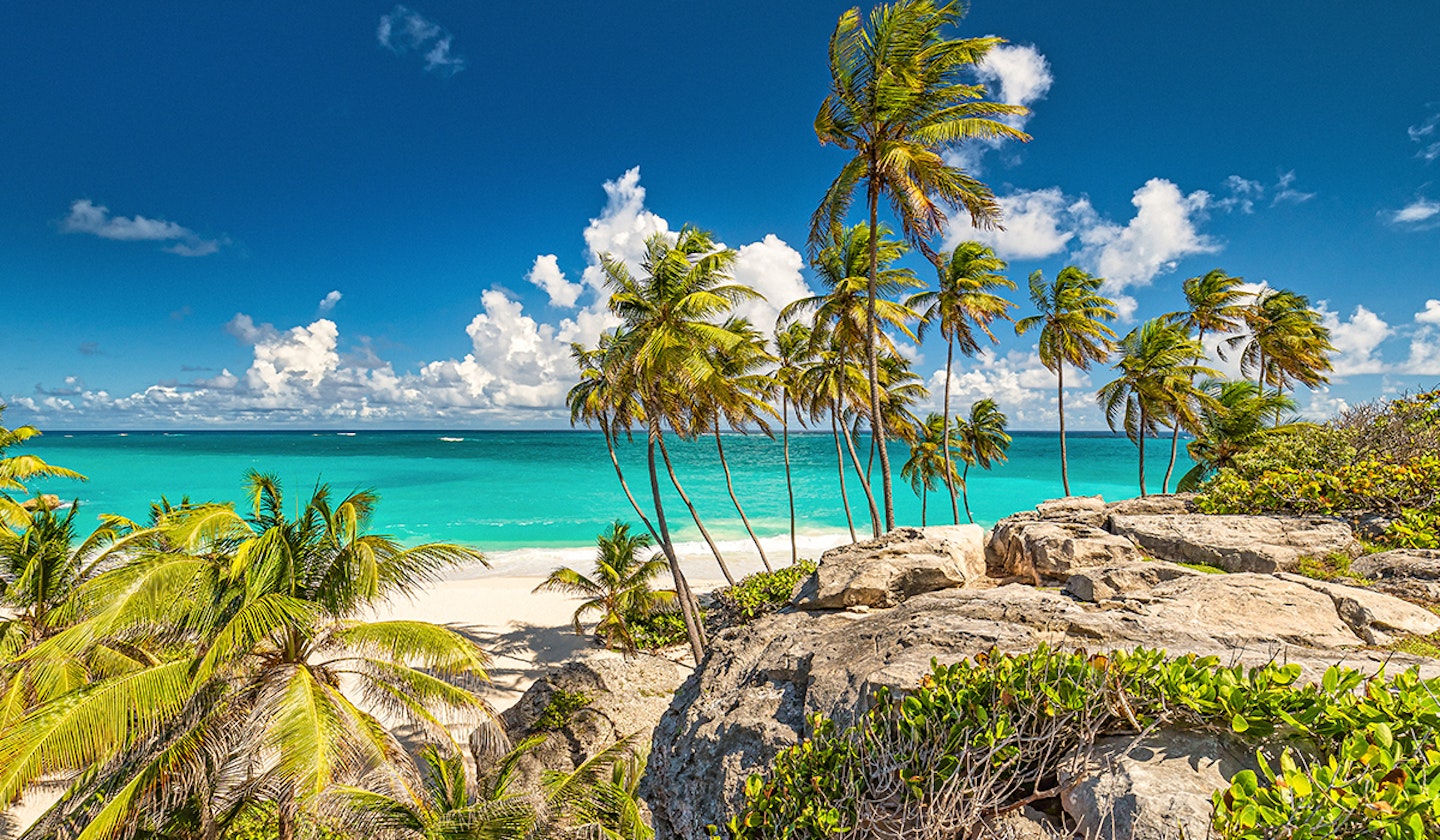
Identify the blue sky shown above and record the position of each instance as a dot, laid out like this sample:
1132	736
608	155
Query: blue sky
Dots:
363	214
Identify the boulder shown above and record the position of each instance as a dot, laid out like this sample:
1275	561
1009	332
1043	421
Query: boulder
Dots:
625	696
1157	788
1374	616
1108	583
1409	573
1163	504
1085	510
900	564
1237	543
751	695
1038	548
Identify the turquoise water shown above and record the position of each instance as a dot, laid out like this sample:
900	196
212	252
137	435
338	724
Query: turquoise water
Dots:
506	490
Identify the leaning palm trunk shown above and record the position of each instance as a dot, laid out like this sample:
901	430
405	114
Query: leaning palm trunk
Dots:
1060	404
965	492
730	486
689	610
864	485
695	514
789	487
877	420
1140	442
1175	433
840	471
615	461
949	465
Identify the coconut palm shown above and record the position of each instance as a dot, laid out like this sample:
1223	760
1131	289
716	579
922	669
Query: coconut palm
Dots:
1215	304
792	354
619	587
963	306
670	316
982	442
824	384
898	101
602	396
1284	342
257	696
600	798
1231	424
1072	320
15	470
928	462
1156	366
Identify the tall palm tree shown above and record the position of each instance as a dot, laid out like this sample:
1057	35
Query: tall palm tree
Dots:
983	442
670	315
738	393
17	469
792	353
928	463
1231	424
824	384
1285	342
253	695
1156	366
1072	320
618	588
602	396
964	306
898	101
1215	304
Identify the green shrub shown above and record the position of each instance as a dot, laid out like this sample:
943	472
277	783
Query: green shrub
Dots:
1413	529
762	592
562	707
658	630
259	822
976	737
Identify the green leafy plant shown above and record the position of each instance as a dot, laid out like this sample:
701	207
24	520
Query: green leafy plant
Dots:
658	631
763	592
562	707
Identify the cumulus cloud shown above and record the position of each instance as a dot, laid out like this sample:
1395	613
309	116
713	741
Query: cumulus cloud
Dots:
1038	224
546	274
1015	74
1418	214
1024	388
1356	340
1430	314
404	31
771	268
328	302
95	219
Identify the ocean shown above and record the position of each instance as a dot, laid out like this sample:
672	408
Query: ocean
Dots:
533	499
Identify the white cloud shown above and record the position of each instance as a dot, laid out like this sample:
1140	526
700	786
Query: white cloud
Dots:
1164	230
771	268
1427	134
546	274
1241	194
1285	192
1356	340
1038	224
328	302
1430	314
1015	74
1417	214
1023	389
404	30
621	228
89	217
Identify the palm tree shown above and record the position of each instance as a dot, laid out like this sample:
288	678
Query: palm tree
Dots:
928	463
792	354
669	315
1214	302
618	588
252	692
823	385
1285	342
1231	424
964	305
898	101
600	797
983	442
1072	316
1156	368
17	469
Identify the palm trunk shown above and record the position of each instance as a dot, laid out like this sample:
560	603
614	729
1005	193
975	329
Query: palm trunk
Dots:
615	461
689	610
864	485
965	491
694	514
924	504
1140	439
949	465
877	421
729	485
789	487
1060	403
840	469
1175	436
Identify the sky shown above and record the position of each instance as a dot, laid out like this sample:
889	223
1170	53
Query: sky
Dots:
370	215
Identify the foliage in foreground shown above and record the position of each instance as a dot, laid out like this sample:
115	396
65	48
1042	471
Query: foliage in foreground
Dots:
1350	757
761	593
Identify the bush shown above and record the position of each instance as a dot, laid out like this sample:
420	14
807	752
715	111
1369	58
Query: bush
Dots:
762	592
562	707
658	630
978	737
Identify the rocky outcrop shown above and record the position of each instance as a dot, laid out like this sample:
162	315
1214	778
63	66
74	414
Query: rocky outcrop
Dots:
1108	583
622	696
1031	548
1374	616
1410	573
1237	543
903	563
1081	510
1166	504
751	695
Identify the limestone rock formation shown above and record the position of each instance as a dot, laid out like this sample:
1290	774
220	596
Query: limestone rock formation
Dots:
1374	616
1033	548
1237	543
1412	573
905	562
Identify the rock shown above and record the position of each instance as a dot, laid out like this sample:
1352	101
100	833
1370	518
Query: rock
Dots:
903	563
44	501
1156	789
752	693
1110	582
1237	543
626	695
1409	573
1374	616
1085	510
1036	548
1164	504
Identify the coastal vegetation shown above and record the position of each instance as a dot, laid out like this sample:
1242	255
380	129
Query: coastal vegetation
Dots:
618	588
